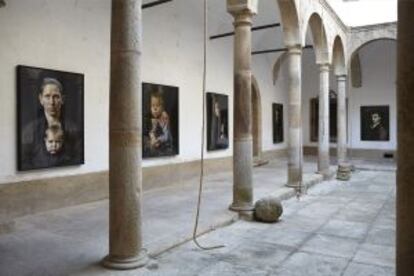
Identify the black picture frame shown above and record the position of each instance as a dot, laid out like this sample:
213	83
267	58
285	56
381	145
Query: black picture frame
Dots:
217	121
375	123
50	118
277	120
160	127
333	117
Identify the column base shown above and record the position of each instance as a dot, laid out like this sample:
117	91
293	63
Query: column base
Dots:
295	185
326	174
241	208
125	263
246	212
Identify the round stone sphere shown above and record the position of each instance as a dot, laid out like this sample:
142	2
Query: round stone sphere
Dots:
268	209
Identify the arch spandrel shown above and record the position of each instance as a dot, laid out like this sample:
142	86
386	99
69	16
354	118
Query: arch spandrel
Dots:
290	22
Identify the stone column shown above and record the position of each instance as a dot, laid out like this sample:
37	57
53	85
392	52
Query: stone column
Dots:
323	138
342	115
242	12
405	133
295	148
125	174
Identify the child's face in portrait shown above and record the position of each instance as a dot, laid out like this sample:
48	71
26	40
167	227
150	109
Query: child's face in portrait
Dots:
54	142
164	118
156	107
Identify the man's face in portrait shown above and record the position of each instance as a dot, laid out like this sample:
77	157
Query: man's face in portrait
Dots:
216	109
51	99
277	115
376	119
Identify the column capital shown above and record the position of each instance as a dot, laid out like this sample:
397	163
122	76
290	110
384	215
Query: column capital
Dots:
294	49
324	67
242	19
237	7
341	77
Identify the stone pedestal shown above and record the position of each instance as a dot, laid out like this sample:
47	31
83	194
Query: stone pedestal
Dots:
242	12
295	148
344	171
323	137
341	117
405	152
125	174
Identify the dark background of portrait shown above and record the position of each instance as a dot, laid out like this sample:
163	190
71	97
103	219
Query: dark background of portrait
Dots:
366	111
171	106
224	114
29	81
277	124
333	117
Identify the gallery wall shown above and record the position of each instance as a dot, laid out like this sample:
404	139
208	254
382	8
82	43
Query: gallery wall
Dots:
378	89
74	36
65	35
271	93
378	65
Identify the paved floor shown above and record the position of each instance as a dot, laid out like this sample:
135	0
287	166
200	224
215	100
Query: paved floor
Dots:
338	228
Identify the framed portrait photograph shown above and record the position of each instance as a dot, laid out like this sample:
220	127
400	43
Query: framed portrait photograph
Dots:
375	123
160	132
277	119
50	118
217	121
333	118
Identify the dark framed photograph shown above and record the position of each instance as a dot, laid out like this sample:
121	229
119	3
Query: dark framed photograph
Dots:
333	118
277	118
160	123
217	121
375	123
50	118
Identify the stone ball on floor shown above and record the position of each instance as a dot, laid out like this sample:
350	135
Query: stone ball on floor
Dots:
268	209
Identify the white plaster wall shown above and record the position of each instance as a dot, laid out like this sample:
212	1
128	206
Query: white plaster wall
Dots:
271	93
73	35
173	55
310	89
68	35
378	64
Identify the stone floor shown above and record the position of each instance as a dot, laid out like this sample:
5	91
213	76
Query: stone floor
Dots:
338	228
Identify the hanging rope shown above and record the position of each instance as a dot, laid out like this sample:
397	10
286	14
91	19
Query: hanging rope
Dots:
200	187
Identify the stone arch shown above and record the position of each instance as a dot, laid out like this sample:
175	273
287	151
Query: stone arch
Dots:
278	65
355	64
338	57
361	36
356	49
256	120
320	41
290	22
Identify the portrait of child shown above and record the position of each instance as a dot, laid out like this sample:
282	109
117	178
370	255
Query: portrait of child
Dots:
160	120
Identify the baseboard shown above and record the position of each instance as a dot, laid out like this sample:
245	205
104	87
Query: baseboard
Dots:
28	197
367	154
274	154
